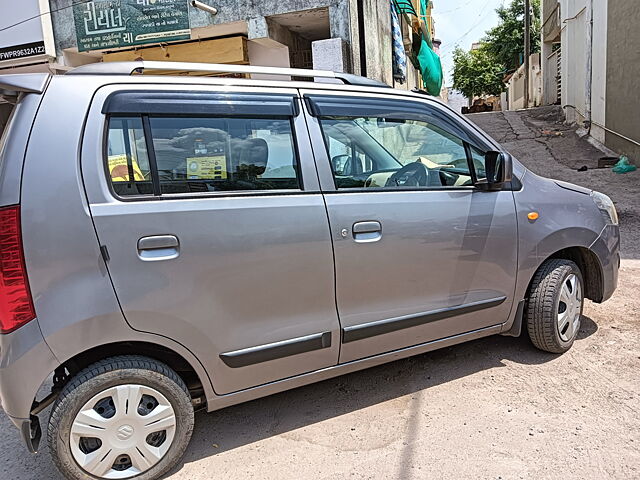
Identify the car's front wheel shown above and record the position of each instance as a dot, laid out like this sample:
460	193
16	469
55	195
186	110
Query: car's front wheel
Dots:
121	417
554	307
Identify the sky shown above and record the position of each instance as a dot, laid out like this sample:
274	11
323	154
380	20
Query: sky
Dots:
462	22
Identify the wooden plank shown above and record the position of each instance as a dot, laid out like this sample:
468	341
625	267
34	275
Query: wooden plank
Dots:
219	50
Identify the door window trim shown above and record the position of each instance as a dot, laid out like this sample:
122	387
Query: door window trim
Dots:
322	105
201	103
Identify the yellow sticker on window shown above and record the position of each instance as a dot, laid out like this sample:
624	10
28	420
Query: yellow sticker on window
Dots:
119	169
207	168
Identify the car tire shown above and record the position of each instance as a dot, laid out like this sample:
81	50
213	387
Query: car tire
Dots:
554	306
98	400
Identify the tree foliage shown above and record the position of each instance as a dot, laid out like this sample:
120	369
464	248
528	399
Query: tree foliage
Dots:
481	71
476	73
505	42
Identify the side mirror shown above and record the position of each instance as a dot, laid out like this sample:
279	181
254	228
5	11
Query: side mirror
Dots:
498	167
339	163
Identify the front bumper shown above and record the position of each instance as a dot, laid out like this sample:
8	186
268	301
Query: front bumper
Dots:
25	363
30	432
607	249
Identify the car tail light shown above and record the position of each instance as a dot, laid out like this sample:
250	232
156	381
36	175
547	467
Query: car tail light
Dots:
16	307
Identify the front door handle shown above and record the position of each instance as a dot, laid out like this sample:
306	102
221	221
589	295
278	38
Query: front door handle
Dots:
158	247
365	232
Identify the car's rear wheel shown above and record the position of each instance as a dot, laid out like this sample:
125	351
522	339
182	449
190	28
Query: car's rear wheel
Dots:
554	307
122	417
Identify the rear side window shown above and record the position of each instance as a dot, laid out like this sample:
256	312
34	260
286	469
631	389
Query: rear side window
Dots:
127	159
149	155
224	154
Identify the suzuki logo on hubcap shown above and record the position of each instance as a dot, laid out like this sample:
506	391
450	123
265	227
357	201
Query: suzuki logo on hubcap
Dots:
124	432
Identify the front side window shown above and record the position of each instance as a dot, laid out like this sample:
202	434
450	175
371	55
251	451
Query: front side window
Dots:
201	154
373	152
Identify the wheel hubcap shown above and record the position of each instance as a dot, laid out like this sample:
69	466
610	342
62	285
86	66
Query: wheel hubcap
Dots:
123	431
569	307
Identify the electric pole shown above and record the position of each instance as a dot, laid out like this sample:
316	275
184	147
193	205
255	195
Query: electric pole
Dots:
527	49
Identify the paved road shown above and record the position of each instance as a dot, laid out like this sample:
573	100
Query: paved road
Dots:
494	408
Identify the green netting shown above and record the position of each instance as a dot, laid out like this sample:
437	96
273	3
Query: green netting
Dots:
431	69
428	60
405	6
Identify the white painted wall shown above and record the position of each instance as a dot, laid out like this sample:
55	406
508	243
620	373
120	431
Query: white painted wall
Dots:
573	14
576	46
550	75
515	86
599	68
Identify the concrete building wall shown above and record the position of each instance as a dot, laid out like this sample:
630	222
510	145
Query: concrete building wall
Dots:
232	17
599	69
354	37
377	39
331	54
515	87
275	32
623	77
549	58
551	74
583	53
574	60
275	25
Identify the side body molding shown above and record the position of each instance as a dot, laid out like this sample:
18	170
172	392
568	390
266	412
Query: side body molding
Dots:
366	330
272	351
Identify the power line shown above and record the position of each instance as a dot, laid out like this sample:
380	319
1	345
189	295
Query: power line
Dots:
452	44
454	9
39	15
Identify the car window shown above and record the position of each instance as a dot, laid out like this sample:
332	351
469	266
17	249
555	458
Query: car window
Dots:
221	154
477	157
202	154
373	152
127	159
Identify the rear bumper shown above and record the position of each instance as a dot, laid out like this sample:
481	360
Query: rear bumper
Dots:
607	248
25	363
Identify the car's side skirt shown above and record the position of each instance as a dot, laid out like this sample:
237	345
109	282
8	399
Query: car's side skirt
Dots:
221	401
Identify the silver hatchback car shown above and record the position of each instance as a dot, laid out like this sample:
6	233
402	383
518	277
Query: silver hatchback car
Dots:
171	243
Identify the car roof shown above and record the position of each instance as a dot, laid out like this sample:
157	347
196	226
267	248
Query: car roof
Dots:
183	73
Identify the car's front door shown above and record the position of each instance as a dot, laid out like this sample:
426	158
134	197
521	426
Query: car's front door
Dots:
421	254
207	205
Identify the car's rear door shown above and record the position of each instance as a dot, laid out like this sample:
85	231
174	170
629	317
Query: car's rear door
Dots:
421	255
206	203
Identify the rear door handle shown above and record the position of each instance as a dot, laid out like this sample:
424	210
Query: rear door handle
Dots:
364	232
158	247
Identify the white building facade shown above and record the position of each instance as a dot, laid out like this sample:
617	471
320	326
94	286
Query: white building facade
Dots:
591	67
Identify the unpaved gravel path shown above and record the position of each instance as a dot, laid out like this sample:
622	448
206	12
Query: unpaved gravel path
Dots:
495	408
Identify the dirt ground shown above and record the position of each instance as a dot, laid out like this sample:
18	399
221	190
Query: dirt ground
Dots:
495	408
